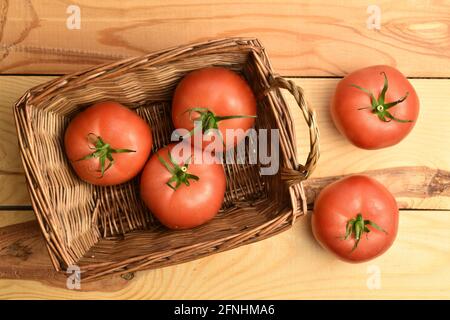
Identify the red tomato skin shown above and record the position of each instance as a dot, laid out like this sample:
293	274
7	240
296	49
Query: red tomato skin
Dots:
220	90
188	206
116	125
343	200
363	128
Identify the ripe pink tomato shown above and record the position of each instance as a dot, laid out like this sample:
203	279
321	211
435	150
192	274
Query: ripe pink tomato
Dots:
219	98
182	195
107	144
375	107
356	218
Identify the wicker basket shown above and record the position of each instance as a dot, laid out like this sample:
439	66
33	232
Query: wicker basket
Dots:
106	230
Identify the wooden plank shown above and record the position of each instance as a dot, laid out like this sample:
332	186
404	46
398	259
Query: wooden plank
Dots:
288	266
426	147
13	190
309	38
23	255
338	157
407	184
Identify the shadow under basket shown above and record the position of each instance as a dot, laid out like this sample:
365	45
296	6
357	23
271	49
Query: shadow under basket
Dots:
106	230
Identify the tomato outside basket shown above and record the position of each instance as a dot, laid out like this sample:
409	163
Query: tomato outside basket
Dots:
108	230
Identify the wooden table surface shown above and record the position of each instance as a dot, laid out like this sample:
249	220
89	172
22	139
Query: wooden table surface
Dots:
314	43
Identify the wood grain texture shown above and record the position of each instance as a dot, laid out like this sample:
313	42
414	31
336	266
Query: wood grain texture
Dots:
288	266
23	254
426	145
405	183
309	38
424	149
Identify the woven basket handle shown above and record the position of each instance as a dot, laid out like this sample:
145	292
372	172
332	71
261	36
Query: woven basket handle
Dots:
302	171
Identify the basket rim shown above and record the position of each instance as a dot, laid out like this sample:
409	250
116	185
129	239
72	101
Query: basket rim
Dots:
95	72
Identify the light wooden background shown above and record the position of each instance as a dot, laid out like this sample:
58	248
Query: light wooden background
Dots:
307	40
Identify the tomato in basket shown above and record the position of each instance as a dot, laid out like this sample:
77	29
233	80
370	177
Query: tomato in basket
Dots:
375	107
107	143
356	218
179	192
219	99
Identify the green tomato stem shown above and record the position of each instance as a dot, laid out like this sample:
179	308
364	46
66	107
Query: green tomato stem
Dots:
358	227
209	120
180	174
103	152
379	106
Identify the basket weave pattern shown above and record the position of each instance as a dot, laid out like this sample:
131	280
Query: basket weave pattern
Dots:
107	230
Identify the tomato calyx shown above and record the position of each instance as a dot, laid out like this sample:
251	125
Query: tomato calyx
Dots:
179	173
357	227
103	152
379	106
209	120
